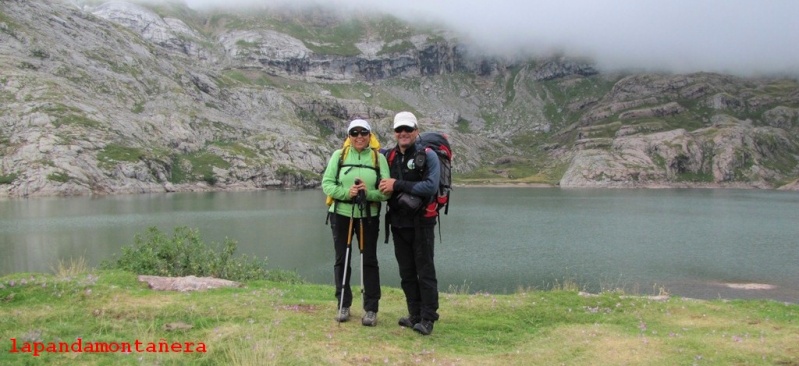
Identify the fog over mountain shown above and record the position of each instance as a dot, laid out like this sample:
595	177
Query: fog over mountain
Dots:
728	36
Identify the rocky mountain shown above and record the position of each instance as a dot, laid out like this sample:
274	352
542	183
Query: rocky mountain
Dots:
107	97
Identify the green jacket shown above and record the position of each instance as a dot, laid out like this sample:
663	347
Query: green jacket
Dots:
356	165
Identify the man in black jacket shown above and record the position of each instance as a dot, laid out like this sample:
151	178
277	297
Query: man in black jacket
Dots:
414	183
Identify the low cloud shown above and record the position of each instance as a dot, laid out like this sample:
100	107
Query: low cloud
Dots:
741	37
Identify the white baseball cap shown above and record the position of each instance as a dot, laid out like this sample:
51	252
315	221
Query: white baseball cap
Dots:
405	119
359	123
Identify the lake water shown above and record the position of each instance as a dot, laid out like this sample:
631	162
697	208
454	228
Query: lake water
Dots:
694	243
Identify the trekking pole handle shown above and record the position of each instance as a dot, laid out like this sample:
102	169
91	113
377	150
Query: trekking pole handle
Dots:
360	199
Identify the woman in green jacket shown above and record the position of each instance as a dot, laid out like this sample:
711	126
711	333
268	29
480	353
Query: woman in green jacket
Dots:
351	180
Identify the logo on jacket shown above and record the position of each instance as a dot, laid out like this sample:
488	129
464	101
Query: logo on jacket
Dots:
411	164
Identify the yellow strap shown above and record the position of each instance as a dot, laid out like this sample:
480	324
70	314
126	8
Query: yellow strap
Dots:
374	144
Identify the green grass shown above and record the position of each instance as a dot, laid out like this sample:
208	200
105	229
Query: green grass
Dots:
237	149
463	125
321	30
332	37
40	53
244	44
357	91
60	177
275	323
397	47
515	173
390	28
347	91
76	120
113	153
138	108
197	165
8	178
235	77
7	25
285	171
489	118
695	177
593	87
510	91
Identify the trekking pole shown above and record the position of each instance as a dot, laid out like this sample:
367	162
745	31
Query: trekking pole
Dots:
360	244
361	201
346	265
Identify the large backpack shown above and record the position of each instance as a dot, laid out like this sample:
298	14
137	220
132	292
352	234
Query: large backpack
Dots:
439	143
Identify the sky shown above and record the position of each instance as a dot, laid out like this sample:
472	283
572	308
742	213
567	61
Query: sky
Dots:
742	37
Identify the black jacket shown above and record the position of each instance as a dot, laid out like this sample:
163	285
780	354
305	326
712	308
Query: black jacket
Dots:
421	181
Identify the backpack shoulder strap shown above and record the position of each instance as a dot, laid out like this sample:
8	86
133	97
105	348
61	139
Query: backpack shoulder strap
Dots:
390	155
376	162
344	151
329	200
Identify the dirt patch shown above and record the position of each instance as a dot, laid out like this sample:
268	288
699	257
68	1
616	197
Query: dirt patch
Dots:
302	308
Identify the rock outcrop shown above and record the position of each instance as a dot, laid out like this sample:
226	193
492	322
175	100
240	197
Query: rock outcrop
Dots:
185	284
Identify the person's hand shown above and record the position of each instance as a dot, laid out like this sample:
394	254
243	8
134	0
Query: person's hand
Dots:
355	188
386	186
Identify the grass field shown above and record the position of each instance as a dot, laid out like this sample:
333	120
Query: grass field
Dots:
273	323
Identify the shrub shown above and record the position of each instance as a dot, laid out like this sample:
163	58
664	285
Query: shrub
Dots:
8	178
58	177
185	254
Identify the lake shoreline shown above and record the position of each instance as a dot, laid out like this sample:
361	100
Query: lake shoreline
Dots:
793	187
202	187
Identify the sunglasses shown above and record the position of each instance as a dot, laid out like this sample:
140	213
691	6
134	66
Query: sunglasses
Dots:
408	129
355	133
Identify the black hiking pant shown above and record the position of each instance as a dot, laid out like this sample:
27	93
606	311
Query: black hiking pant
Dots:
371	270
413	248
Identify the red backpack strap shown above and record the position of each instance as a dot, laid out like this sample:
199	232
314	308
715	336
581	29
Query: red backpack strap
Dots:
391	154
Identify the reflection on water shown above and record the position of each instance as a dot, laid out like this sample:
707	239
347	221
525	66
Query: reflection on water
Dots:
688	242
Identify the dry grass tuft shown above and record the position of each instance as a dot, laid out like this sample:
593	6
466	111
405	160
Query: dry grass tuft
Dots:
70	269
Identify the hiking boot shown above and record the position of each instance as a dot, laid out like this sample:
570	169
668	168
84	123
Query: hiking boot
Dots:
370	319
343	315
409	321
424	327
